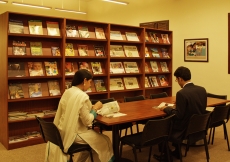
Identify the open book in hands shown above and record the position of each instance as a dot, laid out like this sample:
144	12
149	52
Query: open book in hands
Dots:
164	104
110	109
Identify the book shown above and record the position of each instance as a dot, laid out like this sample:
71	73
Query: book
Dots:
153	81
35	69
146	52
82	50
69	51
54	89
18	138
154	38
16	26
53	28
17	113
116	51
32	114
165	38
69	68
36	48
99	85
16	91
146	37
146	67
84	65
33	134
131	82
51	68
154	66
35	90
163	80
147	85
131	67
96	67
19	48
131	36
155	52
35	27
99	33
71	31
16	69
165	53
83	31
109	109
49	112
116	84
99	51
13	118
68	84
131	51
55	51
115	35
116	67
164	67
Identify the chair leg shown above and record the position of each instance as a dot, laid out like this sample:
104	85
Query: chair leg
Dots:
226	135
210	134
206	149
135	154
71	158
186	148
150	152
213	134
121	146
179	147
91	155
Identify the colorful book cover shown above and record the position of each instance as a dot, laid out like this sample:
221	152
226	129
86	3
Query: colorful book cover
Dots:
83	31
19	48
84	65
146	37
55	51
99	51
16	69
131	67
116	67
36	48
165	53
35	27
155	52
154	66
153	81
16	91
147	85
35	69
35	90
116	51
165	38
82	50
163	80
71	31
146	52
131	51
99	33
99	85
69	68
54	89
53	28
69	51
96	67
16	26
51	68
154	38
164	67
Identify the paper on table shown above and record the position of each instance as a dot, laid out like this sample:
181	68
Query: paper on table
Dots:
209	108
163	104
114	115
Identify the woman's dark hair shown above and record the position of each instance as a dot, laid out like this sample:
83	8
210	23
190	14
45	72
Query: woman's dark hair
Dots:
183	73
80	75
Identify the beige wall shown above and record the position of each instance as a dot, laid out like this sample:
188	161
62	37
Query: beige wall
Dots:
188	19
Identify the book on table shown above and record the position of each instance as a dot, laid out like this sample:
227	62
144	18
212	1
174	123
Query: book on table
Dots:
146	52
131	82
154	38
116	51
55	51
54	88
165	38
116	68
19	48
35	27
71	31
99	51
99	33
16	26
53	28
69	68
16	69
154	66
35	90
83	31
35	69
131	36
155	52
165	53
163	80
131	67
84	65
99	85
110	109
147	84
153	81
115	35
69	50
82	50
16	91
36	48
116	84
131	51
51	68
164	67
96	67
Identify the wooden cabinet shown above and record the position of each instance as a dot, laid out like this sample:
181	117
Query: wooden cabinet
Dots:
9	128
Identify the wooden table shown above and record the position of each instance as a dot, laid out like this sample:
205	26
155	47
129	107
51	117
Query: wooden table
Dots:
140	110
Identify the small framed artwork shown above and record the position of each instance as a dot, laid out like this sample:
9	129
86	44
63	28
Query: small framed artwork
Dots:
196	50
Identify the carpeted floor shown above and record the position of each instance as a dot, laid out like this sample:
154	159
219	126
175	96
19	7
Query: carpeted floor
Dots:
218	152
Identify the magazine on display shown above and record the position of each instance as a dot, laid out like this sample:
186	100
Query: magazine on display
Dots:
115	35
96	67
35	27
82	50
35	90
83	31
116	67
19	48
99	85
35	68
131	67
16	91
131	82
116	51
36	48
16	69
51	68
53	28
71	31
16	26
69	51
99	33
54	89
116	84
131	36
131	51
154	66
153	81
99	51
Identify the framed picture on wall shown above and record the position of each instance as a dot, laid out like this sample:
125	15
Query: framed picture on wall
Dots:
196	50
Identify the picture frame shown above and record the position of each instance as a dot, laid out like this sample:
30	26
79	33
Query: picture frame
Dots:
196	50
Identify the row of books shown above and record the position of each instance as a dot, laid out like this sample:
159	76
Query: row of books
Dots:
16	90
24	137
156	38
156	66
156	81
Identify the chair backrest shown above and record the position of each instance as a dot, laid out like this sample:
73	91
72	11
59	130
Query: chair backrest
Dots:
217	96
155	129
135	98
220	113
103	100
50	133
158	95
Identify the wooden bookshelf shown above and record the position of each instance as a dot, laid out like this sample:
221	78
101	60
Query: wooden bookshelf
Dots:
14	128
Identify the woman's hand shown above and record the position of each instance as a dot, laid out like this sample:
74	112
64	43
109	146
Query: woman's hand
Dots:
97	106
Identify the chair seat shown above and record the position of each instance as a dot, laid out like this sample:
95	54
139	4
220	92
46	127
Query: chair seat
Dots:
217	124
109	128
76	147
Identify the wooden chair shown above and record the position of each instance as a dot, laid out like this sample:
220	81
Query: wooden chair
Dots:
51	133
158	95
155	132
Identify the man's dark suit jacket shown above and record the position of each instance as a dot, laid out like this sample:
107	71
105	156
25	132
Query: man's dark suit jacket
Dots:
191	99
